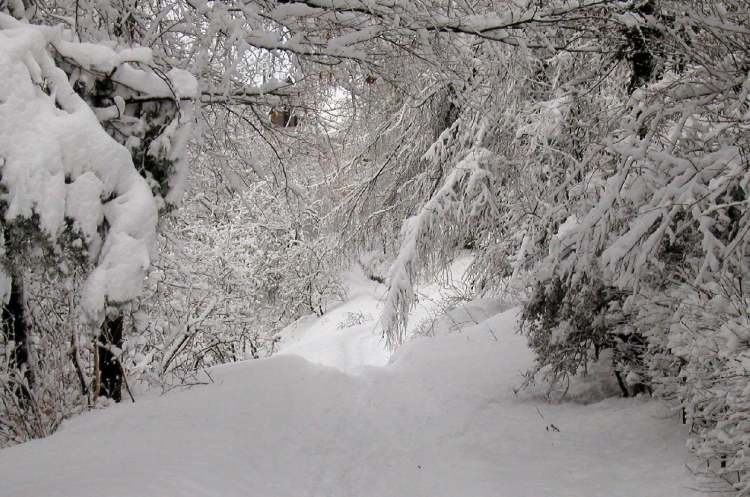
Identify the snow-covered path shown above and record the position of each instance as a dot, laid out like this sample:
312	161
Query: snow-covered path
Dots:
440	420
344	337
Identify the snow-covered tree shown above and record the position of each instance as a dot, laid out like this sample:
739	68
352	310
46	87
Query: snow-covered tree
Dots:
78	216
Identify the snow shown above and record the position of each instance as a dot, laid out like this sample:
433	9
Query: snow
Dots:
345	337
171	144
471	170
294	10
567	227
184	82
440	418
359	36
176	84
97	57
547	123
47	172
83	205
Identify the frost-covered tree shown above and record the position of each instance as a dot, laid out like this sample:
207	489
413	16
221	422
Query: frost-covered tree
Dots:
61	189
235	266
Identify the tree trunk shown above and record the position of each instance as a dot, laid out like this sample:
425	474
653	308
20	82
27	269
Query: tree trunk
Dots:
621	383
110	369
16	328
642	45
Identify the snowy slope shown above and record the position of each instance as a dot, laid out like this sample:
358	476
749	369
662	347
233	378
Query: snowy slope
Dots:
440	419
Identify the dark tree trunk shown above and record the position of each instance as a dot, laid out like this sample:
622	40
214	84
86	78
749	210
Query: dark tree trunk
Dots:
110	369
642	48
621	383
14	323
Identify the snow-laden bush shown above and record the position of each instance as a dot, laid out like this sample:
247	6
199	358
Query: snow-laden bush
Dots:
570	323
710	336
230	274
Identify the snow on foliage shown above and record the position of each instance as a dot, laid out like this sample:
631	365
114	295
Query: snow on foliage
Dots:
463	196
93	145
58	162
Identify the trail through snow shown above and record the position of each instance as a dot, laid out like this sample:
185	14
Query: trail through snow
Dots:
332	416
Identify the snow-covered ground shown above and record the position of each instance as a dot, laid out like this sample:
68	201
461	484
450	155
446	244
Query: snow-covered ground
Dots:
333	416
345	337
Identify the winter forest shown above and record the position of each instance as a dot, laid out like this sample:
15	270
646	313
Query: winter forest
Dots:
490	228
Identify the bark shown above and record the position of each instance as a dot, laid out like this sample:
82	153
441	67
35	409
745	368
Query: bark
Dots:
621	383
110	369
16	328
643	44
75	358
